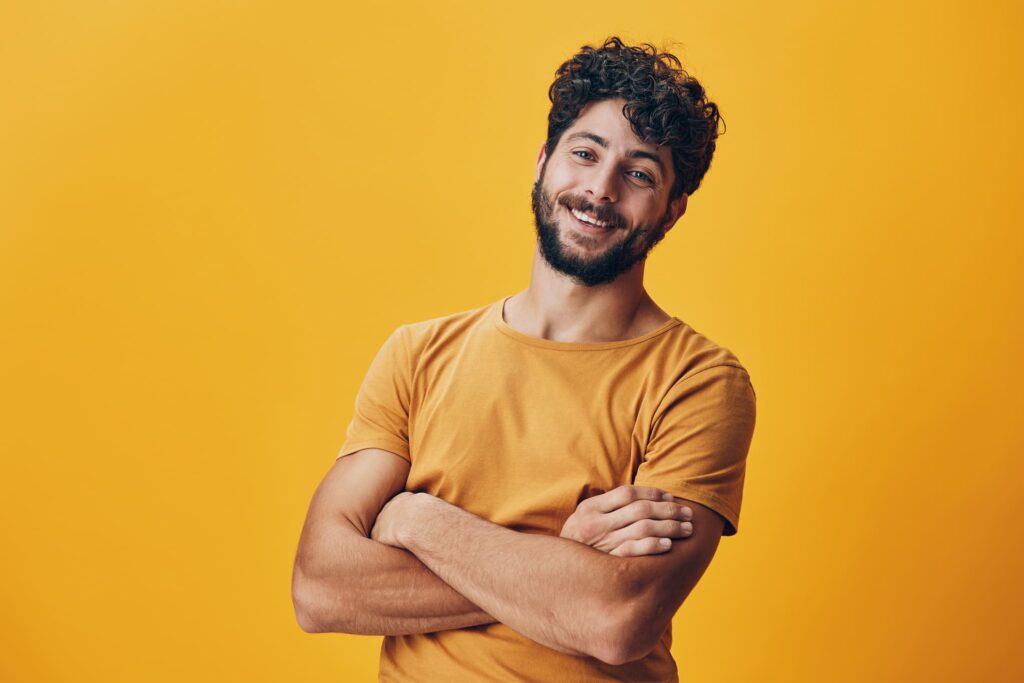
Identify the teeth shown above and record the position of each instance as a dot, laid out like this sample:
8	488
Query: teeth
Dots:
587	219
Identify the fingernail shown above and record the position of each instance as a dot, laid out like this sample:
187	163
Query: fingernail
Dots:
665	542
666	496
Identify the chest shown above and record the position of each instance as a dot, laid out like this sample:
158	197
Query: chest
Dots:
521	442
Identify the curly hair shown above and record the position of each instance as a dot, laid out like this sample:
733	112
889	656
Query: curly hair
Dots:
664	104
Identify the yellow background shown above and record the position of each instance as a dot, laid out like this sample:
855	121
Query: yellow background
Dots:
212	214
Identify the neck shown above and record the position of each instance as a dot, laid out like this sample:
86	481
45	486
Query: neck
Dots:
558	308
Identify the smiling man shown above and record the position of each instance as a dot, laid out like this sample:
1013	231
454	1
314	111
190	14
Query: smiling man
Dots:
598	215
529	490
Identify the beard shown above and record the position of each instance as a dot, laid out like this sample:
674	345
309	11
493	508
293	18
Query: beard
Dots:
587	270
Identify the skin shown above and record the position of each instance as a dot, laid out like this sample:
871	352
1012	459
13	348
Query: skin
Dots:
347	581
559	593
585	286
570	592
582	173
629	521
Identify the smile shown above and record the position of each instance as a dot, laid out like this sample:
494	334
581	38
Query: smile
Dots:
588	225
587	219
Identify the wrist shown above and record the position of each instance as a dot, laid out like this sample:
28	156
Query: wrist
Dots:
411	512
415	513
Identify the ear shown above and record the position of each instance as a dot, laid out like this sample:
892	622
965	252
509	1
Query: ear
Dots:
676	210
541	158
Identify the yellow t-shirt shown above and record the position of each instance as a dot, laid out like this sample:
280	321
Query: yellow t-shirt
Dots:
518	430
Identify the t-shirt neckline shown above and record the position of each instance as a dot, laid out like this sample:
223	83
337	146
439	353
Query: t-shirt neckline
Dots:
497	315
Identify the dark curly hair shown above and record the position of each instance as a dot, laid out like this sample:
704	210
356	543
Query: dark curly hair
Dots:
664	104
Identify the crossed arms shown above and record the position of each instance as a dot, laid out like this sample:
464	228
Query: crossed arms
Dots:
451	569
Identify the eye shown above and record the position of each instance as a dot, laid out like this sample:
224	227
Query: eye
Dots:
583	151
644	176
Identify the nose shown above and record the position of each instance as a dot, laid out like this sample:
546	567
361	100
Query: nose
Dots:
601	183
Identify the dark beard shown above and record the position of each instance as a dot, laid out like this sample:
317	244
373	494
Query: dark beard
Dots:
598	270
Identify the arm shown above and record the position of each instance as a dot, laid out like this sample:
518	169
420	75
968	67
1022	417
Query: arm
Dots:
659	584
344	582
557	592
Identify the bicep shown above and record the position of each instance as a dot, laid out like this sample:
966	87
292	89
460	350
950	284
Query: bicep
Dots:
356	488
345	503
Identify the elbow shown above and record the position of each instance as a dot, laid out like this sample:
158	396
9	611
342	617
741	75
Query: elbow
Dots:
630	634
306	621
307	602
609	645
613	656
616	654
320	608
625	645
303	607
632	653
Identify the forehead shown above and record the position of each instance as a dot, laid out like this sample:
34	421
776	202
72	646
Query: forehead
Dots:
605	119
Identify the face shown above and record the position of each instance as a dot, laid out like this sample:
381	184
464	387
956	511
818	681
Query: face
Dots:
601	172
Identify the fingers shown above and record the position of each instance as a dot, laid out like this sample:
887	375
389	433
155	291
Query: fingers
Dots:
647	509
624	495
650	528
642	546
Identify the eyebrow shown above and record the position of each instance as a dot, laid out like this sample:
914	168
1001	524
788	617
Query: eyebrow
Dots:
632	154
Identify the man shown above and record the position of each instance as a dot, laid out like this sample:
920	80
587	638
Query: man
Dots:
529	490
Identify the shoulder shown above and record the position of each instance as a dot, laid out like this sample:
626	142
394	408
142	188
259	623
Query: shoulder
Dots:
688	356
425	336
450	321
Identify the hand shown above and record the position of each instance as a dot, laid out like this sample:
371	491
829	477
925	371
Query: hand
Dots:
385	528
629	521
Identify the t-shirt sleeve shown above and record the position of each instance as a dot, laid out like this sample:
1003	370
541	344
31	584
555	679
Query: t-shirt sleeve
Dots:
381	415
700	435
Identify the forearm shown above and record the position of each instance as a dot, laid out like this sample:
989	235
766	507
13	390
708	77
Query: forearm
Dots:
555	591
356	585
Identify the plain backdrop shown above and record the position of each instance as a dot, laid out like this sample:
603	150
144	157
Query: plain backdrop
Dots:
213	213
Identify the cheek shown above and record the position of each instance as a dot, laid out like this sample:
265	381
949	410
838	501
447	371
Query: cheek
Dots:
557	180
648	212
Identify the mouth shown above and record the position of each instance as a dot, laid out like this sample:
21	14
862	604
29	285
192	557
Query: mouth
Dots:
585	227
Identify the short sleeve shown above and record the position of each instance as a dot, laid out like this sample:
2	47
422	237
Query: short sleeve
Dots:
381	415
700	435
